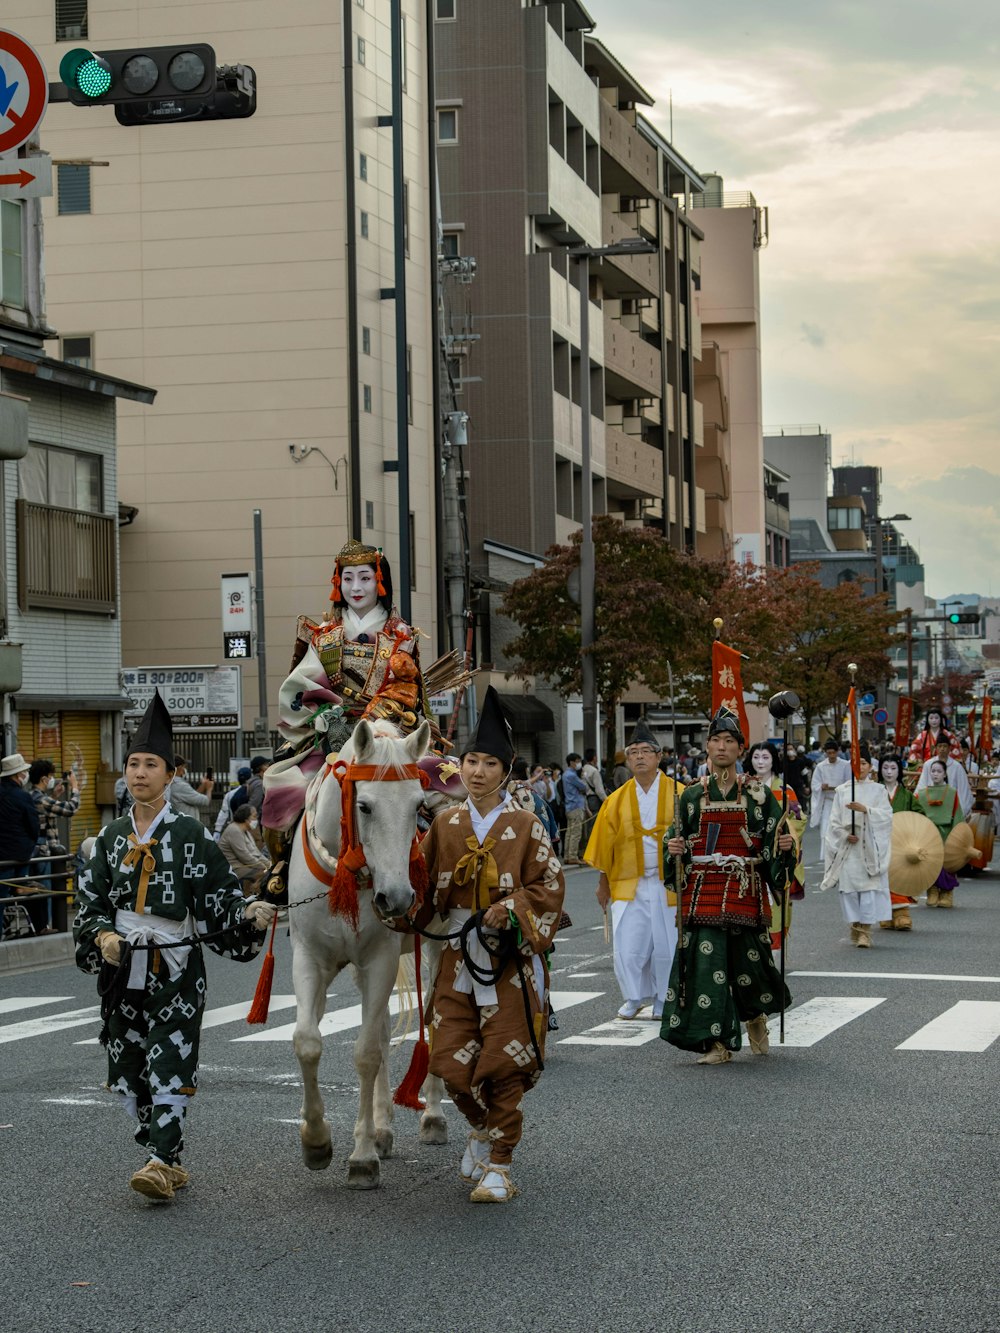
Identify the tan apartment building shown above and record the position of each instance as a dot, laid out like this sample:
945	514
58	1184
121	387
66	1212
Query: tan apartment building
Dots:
544	151
244	268
730	469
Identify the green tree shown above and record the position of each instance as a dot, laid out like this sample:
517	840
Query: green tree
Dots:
962	688
649	600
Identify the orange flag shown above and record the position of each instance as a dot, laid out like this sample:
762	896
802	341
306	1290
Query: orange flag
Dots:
852	714
727	684
986	733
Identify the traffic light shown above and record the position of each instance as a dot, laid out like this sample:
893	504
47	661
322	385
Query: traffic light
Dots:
159	84
963	618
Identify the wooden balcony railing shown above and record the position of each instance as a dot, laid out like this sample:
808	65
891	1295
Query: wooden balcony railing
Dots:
66	560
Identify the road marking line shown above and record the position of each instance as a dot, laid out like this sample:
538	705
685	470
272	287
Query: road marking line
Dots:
969	1025
619	1032
33	1002
81	1101
900	976
227	1013
38	1027
342	1020
809	1023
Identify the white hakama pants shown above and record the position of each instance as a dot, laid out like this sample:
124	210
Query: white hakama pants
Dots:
867	907
645	937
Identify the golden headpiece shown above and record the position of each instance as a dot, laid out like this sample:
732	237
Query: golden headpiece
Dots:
352	553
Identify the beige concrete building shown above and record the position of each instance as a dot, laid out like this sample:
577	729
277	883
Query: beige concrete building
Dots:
731	467
241	267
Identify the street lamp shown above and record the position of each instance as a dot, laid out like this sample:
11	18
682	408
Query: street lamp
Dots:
877	522
583	254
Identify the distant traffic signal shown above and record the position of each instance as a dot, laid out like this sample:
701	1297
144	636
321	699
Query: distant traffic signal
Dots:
963	618
159	84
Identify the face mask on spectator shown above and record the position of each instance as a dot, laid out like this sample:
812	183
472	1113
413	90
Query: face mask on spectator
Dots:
51	783
253	823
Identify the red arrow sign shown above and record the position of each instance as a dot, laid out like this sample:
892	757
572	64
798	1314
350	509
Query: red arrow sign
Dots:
20	180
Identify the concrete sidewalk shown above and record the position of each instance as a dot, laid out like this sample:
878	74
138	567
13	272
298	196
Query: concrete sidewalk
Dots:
28	952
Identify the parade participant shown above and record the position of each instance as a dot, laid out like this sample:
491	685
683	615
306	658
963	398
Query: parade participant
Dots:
826	778
935	729
856	851
956	775
155	878
626	846
361	662
890	772
493	858
939	802
723	971
764	762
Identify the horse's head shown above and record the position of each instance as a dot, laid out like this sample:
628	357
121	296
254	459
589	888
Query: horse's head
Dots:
385	809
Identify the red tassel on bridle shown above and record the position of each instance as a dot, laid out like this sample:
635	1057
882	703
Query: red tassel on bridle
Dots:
408	1092
262	995
335	595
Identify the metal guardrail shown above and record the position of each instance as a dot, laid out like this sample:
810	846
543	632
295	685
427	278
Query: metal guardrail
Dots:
23	890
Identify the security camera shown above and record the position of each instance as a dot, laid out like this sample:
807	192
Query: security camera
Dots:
291	450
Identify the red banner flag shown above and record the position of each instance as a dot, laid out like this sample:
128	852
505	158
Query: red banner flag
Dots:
986	731
852	717
727	684
904	721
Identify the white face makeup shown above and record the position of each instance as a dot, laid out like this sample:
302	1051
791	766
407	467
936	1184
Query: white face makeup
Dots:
763	762
359	588
890	773
938	773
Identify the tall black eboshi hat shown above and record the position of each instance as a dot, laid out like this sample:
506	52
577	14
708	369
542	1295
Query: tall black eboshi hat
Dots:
155	733
493	734
642	735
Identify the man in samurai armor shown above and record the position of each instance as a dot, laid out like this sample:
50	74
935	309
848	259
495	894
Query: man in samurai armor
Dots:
734	847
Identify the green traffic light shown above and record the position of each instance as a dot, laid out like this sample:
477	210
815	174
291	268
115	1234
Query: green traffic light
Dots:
88	73
955	618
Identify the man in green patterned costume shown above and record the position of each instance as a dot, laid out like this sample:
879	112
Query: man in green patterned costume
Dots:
154	879
733	846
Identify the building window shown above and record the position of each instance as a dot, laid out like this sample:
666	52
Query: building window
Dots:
366	397
74	189
447	123
446	11
363	166
51	476
362	51
78	350
366	340
369	513
450	245
11	254
71	20
364	224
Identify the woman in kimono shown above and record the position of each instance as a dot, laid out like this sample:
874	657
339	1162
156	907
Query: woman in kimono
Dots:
766	766
890	774
857	849
941	804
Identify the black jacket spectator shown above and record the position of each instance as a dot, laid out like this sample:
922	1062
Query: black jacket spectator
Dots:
19	827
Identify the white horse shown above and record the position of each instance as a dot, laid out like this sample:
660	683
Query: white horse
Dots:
322	943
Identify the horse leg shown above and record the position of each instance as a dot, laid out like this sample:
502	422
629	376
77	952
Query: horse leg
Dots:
383	1108
310	1001
375	983
433	1126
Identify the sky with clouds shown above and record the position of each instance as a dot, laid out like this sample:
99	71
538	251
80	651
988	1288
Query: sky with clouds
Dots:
870	130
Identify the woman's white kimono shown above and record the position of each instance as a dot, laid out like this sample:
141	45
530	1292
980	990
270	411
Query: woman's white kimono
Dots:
860	870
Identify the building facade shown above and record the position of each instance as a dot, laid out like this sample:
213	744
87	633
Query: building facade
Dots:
246	268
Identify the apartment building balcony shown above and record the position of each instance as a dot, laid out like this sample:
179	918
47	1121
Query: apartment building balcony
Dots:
624	275
629	159
634	467
631	366
699	420
777	516
66	559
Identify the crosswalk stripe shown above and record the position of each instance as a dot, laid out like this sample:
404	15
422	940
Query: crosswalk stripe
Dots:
810	1022
16	1002
901	976
39	1027
342	1020
617	1033
226	1013
969	1025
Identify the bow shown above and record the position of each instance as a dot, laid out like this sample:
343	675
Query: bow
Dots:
140	851
477	867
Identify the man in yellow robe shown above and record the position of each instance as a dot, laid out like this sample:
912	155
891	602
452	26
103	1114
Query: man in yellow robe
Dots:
626	846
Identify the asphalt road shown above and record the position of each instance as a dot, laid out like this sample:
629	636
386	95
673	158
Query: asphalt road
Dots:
844	1186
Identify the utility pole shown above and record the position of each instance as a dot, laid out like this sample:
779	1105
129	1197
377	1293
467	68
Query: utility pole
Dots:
260	723
403	591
